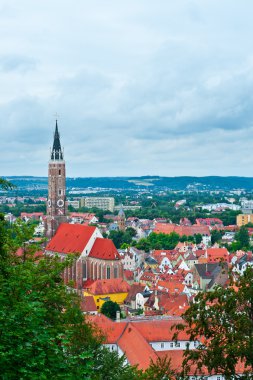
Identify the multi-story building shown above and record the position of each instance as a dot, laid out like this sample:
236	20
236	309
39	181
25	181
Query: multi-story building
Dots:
103	203
74	203
243	219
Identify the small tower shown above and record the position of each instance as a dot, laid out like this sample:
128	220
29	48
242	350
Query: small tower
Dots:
56	201
121	219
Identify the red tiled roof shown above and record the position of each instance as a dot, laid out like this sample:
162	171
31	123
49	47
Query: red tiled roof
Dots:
136	348
70	238
88	304
160	330
114	285
167	228
217	254
171	286
111	330
104	249
129	274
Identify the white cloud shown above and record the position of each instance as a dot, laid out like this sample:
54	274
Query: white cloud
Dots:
141	87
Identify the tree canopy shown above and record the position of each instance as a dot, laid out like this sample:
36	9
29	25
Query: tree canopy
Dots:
110	308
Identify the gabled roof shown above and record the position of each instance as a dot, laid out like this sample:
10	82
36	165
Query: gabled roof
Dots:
134	289
136	348
168	228
160	330
217	254
88	304
104	249
111	286
70	238
208	270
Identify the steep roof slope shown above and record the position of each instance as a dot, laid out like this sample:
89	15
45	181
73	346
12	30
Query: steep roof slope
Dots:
104	249
70	238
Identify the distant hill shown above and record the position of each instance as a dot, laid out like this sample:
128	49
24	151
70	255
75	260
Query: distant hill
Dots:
145	182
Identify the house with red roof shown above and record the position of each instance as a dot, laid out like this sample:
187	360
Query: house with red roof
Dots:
88	305
217	254
114	289
153	338
168	228
83	217
96	257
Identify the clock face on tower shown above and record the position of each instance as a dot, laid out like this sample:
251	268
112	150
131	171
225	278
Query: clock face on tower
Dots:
60	203
49	203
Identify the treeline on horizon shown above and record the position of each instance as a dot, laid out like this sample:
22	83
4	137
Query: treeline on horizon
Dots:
156	182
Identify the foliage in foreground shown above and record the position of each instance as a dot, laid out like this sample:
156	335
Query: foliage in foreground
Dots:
224	320
43	333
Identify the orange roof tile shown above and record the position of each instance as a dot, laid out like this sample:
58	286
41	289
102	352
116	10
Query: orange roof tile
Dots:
88	304
160	330
70	238
111	286
217	254
171	286
104	249
136	348
167	228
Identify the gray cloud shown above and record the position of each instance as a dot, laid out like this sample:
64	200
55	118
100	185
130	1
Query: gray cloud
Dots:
141	87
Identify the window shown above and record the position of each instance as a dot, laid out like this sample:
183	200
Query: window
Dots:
177	344
196	344
218	378
115	272
108	272
59	171
162	345
84	270
171	344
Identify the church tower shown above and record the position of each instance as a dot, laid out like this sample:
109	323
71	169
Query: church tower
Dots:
121	219
56	202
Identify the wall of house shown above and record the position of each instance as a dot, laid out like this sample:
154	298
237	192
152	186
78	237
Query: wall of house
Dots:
100	299
172	345
89	245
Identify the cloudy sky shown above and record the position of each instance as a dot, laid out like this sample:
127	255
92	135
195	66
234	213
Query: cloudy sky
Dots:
141	87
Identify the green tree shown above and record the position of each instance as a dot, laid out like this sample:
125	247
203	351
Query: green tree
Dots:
215	236
110	308
242	236
159	370
158	241
224	328
42	329
117	238
112	367
197	238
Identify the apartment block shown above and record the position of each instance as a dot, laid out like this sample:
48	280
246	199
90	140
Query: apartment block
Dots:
103	203
243	219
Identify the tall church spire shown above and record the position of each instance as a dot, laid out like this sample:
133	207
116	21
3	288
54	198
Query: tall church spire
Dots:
56	201
56	153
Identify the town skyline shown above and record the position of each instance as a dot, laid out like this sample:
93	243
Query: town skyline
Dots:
140	88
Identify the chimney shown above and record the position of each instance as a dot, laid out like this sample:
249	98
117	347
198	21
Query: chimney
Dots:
118	316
